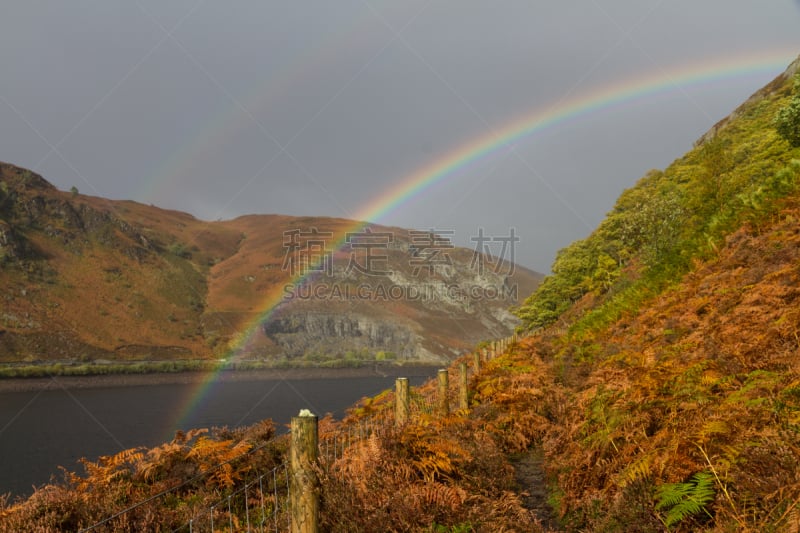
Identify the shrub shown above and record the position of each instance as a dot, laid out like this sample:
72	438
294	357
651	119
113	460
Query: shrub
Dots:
787	121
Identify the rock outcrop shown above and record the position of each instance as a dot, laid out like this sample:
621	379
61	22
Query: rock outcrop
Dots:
86	278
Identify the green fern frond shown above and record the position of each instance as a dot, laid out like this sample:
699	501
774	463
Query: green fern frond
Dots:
682	500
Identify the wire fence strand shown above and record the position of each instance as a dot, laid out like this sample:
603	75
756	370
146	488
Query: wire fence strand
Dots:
263	503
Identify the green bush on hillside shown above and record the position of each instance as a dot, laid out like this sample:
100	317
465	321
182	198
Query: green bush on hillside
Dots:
787	121
668	219
646	223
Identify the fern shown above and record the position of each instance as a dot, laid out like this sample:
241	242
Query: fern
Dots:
711	428
441	495
639	469
682	500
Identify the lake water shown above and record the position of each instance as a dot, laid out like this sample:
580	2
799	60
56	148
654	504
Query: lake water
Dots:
40	431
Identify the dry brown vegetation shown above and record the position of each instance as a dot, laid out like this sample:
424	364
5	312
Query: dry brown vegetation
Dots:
661	386
434	474
687	418
87	278
172	480
704	379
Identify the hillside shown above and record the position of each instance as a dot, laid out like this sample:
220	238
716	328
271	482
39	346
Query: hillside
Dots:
657	387
89	279
669	338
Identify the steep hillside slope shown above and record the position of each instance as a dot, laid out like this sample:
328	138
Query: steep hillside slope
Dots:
87	278
672	217
702	383
658	388
669	338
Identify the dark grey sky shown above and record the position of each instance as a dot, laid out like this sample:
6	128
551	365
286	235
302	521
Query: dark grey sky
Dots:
320	107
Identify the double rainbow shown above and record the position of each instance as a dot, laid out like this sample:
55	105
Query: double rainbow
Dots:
541	118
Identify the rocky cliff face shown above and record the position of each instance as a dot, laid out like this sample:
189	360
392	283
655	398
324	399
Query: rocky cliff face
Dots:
28	203
309	334
86	278
406	308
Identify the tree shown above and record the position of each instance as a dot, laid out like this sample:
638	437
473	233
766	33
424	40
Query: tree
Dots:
74	191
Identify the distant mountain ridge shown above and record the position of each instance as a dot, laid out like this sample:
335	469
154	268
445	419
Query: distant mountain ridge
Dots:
658	389
88	278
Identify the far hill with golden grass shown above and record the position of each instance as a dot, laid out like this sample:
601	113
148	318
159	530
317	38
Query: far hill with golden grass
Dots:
657	388
87	279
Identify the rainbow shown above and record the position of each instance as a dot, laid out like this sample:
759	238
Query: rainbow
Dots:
228	121
447	165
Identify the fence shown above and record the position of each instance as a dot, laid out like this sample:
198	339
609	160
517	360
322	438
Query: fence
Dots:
286	498
261	505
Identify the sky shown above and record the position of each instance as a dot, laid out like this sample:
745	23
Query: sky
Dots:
459	116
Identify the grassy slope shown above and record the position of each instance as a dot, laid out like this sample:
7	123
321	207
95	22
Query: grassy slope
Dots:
87	278
663	385
674	401
101	279
659	227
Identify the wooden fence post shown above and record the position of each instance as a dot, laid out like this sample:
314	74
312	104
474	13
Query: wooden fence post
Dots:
443	403
463	394
401	401
304	486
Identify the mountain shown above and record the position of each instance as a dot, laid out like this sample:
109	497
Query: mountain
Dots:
87	278
657	387
669	341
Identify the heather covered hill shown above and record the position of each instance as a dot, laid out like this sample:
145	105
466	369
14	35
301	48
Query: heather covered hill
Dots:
87	279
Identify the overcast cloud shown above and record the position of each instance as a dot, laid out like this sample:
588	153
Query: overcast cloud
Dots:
319	107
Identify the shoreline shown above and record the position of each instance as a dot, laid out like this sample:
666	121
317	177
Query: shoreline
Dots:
188	377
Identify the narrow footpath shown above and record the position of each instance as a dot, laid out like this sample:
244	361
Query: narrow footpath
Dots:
529	473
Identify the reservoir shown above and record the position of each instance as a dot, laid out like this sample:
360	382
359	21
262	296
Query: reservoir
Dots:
63	421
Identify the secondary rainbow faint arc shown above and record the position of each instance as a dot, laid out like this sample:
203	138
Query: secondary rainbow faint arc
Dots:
221	127
447	165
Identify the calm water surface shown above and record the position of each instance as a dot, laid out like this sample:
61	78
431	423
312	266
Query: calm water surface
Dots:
40	431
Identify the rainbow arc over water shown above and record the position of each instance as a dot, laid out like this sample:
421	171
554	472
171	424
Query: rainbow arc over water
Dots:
447	165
